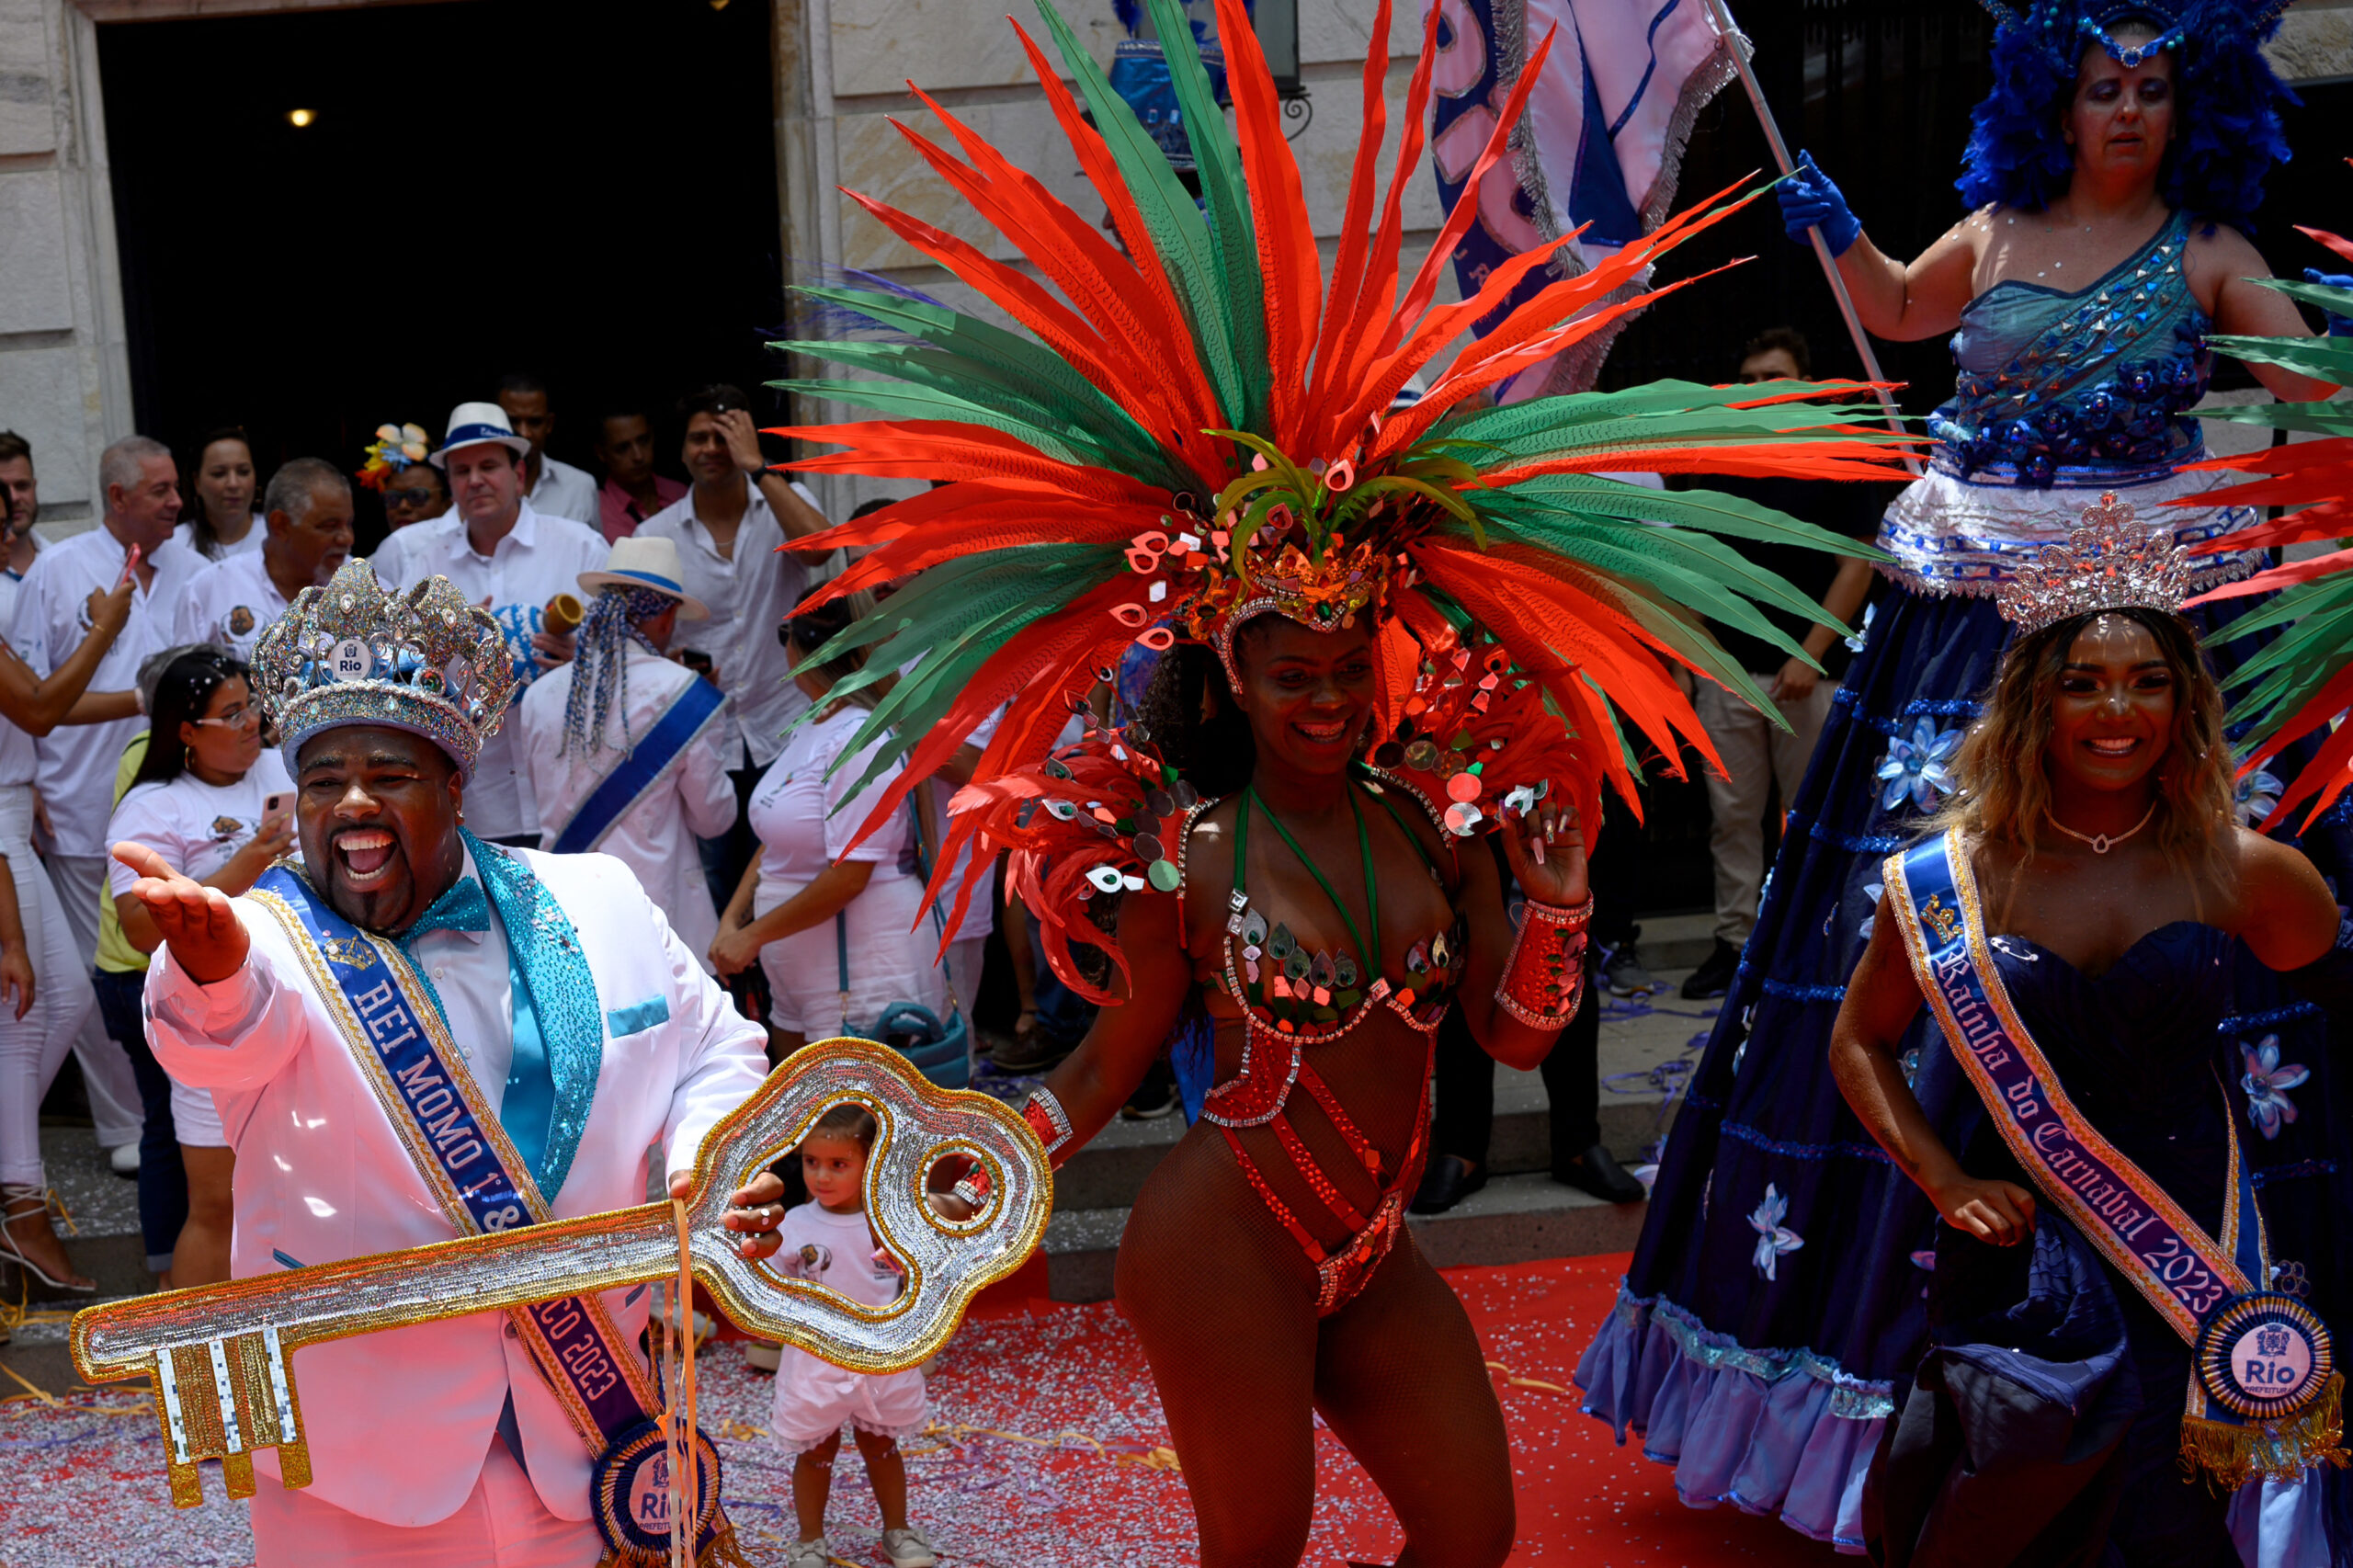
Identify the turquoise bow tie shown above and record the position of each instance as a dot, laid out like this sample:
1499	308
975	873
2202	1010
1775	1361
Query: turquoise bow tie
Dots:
461	908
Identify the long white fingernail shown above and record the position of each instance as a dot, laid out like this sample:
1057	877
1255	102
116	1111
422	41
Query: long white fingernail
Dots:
1540	851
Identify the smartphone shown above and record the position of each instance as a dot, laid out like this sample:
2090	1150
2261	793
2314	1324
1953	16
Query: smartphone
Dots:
696	660
130	565
276	807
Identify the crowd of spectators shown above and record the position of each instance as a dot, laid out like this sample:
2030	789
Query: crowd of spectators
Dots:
665	717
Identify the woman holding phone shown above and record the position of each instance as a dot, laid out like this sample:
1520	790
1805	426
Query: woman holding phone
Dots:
217	807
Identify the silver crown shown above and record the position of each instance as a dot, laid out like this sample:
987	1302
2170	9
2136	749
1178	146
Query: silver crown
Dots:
427	661
2111	561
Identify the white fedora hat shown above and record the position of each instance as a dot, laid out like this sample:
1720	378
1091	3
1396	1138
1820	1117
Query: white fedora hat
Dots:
470	424
649	561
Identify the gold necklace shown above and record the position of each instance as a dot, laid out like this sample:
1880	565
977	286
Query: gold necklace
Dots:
2101	843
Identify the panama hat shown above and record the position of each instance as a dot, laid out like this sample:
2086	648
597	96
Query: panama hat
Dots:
645	561
470	424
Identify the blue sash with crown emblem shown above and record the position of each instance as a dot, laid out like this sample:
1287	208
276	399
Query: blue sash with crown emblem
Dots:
2265	1398
394	1025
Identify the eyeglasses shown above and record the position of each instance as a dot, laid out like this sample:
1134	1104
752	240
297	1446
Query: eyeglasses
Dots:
417	497
242	716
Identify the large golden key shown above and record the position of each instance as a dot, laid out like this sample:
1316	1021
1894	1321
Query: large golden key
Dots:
220	1355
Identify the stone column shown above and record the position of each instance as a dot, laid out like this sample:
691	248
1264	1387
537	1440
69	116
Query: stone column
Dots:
64	378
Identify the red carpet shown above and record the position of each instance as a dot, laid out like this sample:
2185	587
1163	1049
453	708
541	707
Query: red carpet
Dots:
1046	1451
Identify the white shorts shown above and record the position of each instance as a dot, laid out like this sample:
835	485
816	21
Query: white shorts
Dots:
813	1398
889	961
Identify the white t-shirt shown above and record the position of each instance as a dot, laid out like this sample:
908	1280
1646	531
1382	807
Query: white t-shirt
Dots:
837	1252
231	604
77	761
805	821
195	826
249	545
889	940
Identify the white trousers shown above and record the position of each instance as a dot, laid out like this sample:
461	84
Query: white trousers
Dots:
33	1048
502	1524
1756	754
115	1105
965	958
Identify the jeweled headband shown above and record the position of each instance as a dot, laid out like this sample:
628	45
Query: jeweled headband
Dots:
2111	561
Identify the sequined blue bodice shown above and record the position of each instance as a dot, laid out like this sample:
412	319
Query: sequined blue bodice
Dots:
2101	378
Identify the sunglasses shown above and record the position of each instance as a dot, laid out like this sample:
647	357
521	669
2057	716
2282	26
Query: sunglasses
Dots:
419	496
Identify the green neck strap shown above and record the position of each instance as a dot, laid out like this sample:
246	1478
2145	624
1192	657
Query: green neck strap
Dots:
1369	952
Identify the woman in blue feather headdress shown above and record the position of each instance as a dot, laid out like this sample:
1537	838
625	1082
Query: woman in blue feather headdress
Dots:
1773	1313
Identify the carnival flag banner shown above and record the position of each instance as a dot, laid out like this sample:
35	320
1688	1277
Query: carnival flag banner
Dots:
1601	142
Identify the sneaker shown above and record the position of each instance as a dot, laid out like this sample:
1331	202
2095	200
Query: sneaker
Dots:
1624	974
1712	978
909	1548
809	1554
763	1355
124	1161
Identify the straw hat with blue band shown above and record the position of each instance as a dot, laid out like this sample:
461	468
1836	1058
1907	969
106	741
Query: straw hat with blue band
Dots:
472	424
645	561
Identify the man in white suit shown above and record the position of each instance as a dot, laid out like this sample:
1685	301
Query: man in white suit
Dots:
622	746
560	1028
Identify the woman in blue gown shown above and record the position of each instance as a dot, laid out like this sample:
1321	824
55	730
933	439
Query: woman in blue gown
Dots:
1775	1297
2089	875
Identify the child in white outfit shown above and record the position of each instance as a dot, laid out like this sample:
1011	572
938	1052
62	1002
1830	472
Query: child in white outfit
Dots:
828	1242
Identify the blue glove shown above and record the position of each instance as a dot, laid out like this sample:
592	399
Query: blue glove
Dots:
1810	201
2338	326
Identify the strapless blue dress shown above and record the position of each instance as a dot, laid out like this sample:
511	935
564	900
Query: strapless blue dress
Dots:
2046	1416
1777	1296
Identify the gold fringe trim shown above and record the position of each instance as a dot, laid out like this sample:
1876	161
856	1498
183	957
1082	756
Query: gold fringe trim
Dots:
2232	1455
723	1552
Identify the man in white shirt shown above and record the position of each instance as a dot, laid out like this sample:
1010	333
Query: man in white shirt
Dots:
622	744
308	514
555	489
579	1032
503	554
139	484
728	528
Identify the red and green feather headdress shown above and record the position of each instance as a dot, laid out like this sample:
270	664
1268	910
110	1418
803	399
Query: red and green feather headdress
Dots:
1192	424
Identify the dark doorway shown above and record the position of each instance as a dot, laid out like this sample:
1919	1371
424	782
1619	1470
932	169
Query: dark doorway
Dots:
484	187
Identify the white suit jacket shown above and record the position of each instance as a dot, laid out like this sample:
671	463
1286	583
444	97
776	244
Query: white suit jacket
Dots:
656	838
399	1422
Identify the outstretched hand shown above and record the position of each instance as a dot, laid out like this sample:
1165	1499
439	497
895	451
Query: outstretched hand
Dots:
197	922
1545	848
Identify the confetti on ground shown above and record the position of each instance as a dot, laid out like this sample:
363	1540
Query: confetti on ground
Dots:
1046	1450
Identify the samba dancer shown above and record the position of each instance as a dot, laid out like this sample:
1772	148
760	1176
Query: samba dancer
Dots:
545	1029
2112	168
1387	629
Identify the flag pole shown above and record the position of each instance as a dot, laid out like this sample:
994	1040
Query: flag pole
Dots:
1730	33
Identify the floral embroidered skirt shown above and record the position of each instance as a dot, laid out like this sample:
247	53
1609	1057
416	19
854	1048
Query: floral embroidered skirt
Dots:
1775	1300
